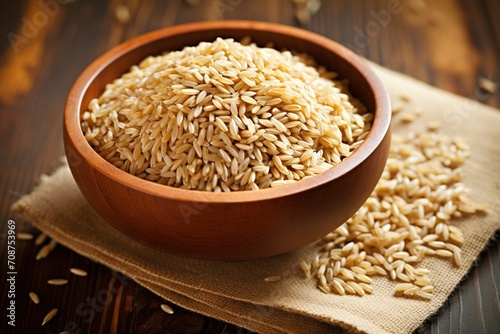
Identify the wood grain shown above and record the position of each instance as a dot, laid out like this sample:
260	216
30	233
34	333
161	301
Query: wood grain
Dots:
451	54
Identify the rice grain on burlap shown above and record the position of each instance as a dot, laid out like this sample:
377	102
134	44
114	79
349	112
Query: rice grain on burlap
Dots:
237	293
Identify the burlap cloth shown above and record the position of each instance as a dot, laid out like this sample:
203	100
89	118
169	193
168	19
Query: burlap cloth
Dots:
237	293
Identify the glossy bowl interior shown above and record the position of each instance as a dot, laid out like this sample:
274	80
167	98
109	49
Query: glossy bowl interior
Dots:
238	225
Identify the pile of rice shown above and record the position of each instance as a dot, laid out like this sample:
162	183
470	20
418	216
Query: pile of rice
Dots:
224	116
406	219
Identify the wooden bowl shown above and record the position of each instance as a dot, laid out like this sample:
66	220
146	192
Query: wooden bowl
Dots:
239	225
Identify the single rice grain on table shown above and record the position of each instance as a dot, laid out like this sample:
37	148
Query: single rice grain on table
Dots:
57	281
272	278
24	236
40	239
78	272
34	298
52	313
167	309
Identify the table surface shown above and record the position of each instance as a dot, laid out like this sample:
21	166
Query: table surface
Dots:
447	43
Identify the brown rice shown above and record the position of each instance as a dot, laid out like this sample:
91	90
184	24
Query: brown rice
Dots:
406	218
52	313
24	236
57	281
34	298
78	272
224	116
167	309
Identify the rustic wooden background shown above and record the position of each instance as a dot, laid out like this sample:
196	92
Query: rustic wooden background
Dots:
446	43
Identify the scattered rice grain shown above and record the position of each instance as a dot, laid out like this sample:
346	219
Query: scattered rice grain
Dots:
487	85
34	298
421	190
167	309
405	98
424	294
45	250
78	272
272	278
433	126
407	116
122	14
396	108
52	313
40	239
418	6
306	268
24	236
57	281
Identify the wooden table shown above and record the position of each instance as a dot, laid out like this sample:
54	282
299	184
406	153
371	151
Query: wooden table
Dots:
448	43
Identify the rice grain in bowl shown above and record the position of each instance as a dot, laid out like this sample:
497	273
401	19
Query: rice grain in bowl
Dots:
224	116
240	224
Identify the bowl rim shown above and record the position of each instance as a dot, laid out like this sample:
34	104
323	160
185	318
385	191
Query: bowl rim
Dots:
72	122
